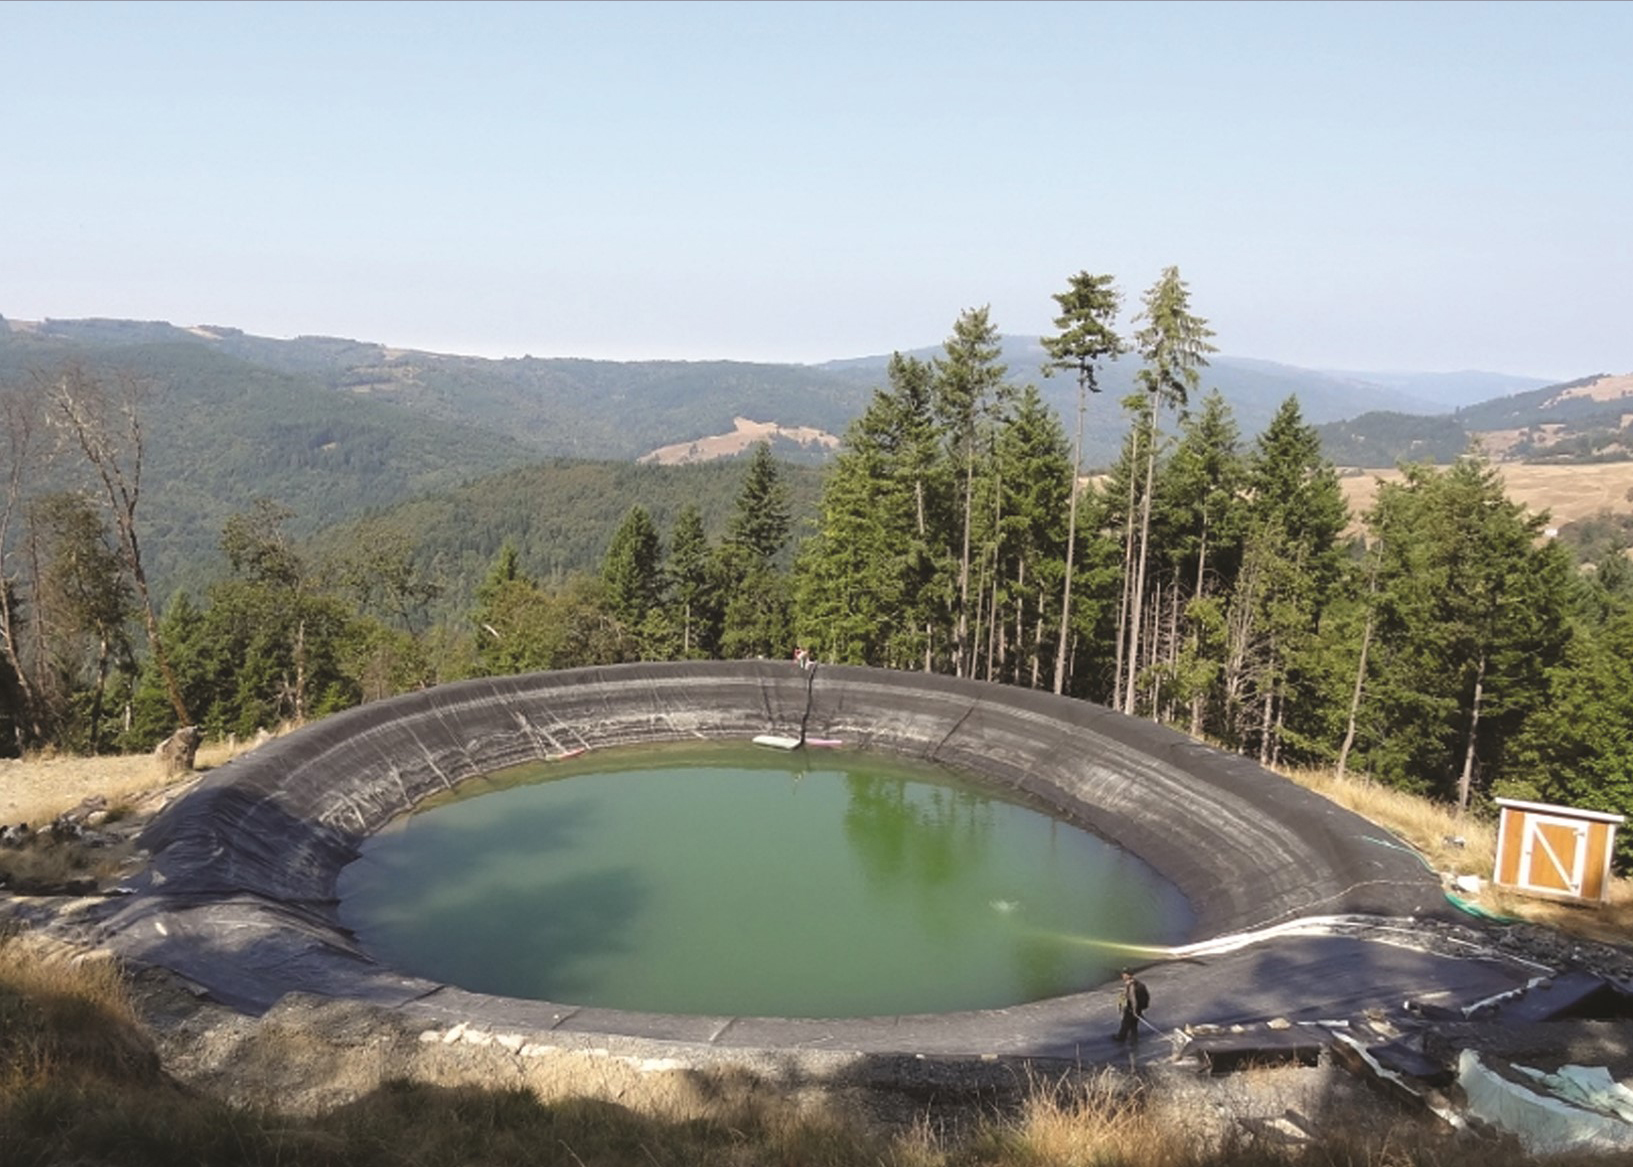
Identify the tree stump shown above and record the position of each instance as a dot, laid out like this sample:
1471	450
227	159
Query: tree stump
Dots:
176	752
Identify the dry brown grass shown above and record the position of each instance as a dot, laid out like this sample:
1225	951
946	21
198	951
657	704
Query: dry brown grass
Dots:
1607	923
746	434
1113	1120
38	788
65	1015
1431	827
1567	493
44	865
1106	1119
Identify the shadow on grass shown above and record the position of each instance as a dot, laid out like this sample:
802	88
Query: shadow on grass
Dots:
733	1119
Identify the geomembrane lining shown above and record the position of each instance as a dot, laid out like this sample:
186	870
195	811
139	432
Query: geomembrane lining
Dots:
240	897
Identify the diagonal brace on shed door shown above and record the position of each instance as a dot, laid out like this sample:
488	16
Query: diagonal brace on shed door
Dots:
1536	835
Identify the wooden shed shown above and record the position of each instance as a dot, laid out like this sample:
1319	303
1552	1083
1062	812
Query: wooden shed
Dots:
1555	851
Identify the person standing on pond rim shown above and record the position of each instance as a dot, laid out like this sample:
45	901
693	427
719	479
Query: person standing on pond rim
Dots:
1132	1003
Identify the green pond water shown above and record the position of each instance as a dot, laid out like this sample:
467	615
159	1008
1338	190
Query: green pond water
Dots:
744	881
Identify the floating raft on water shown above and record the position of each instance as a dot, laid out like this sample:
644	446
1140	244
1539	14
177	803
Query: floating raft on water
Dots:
779	741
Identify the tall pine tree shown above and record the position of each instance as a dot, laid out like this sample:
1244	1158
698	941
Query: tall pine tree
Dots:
1088	307
1173	344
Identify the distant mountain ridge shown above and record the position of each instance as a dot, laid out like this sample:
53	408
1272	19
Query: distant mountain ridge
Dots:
1254	388
564	407
1447	390
570	407
219	433
338	429
1586	420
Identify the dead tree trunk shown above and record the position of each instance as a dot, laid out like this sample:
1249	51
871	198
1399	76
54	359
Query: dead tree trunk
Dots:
1466	779
82	406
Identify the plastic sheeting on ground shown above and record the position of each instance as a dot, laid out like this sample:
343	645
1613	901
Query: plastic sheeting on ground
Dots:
1576	1108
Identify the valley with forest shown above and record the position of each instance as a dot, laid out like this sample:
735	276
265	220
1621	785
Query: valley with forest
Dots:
206	527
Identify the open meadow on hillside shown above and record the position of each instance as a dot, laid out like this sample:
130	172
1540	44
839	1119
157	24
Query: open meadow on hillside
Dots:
1567	493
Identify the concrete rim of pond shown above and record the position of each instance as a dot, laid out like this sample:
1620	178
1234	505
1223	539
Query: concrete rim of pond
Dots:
239	894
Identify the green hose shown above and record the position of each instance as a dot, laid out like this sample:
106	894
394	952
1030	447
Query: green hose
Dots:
1478	912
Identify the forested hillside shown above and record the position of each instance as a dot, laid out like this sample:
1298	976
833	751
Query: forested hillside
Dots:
1380	440
623	410
1210	579
218	433
558	516
1254	389
558	406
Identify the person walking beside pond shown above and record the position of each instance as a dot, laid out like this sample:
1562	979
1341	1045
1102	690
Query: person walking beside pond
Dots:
1132	1003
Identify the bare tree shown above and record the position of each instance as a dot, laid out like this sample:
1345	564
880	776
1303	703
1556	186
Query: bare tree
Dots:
106	425
18	445
83	592
1375	557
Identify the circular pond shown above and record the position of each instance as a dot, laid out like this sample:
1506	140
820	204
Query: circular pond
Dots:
730	879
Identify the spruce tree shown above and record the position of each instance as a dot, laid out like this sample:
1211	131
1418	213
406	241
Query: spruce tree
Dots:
83	600
761	524
1471	614
1038	486
687	570
1577	748
969	378
1198	517
631	569
853	576
755	620
1286	679
912	453
1173	344
1088	307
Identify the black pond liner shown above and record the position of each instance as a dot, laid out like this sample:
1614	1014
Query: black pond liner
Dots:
240	897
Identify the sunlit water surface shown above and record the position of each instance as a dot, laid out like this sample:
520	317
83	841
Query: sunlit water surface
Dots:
743	881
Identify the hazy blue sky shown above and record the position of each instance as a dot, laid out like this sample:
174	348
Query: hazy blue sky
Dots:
1363	186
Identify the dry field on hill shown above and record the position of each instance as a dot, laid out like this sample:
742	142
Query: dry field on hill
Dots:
1567	493
747	434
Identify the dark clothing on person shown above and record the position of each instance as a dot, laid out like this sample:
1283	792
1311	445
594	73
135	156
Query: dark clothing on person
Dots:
1136	999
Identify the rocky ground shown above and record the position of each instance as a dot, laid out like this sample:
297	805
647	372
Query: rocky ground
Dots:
308	1054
